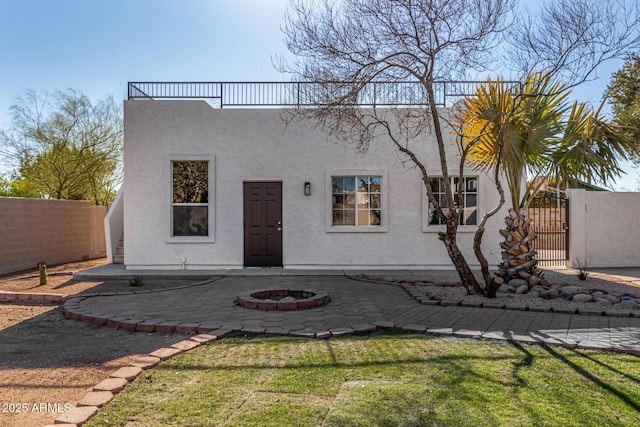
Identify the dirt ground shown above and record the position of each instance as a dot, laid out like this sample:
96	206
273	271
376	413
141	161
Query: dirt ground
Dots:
48	359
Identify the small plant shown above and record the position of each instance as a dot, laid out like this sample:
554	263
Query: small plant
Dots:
584	267
43	274
136	281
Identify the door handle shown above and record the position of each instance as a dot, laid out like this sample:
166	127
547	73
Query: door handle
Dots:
279	229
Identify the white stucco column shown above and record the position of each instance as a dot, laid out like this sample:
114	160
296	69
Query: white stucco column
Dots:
577	226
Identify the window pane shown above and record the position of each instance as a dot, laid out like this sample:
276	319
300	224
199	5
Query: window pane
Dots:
349	184
338	185
350	200
376	184
190	181
350	217
363	217
374	201
363	183
190	220
472	185
338	201
470	217
376	217
472	200
442	199
338	217
435	184
363	200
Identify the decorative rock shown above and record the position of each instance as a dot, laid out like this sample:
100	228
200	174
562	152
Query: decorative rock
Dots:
522	289
534	280
612	298
537	288
516	283
582	298
550	294
506	288
627	304
602	301
569	290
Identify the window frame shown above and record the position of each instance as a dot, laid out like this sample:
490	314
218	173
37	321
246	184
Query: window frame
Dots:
384	220
210	199
434	228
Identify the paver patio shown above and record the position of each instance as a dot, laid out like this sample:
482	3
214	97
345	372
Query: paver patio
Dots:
355	307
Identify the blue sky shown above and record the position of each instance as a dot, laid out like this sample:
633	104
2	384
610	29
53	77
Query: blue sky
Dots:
97	46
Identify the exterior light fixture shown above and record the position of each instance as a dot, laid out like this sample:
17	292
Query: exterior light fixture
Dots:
307	188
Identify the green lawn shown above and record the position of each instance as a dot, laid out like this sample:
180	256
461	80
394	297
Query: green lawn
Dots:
382	379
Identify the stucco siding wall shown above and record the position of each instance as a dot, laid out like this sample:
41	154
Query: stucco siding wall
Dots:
50	231
612	229
253	145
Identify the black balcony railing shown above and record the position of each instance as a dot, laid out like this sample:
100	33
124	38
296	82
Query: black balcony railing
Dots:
303	94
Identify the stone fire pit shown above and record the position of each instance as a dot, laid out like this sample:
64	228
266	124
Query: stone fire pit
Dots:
282	299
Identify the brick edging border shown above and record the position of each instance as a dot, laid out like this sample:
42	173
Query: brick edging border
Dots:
41	297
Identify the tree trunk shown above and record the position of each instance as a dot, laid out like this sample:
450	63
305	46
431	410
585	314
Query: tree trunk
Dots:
469	281
518	259
491	283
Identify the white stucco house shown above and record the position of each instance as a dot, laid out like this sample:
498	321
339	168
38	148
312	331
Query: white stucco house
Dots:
207	187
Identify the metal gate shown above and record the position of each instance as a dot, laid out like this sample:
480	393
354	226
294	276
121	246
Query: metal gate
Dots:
549	211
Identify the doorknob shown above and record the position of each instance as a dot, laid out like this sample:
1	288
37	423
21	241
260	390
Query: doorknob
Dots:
279	228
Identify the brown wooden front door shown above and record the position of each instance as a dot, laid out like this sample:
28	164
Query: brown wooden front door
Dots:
263	224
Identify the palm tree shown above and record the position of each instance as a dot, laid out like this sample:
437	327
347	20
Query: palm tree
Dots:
531	131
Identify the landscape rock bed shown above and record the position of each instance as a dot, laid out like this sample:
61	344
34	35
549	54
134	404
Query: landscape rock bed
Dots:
557	298
282	299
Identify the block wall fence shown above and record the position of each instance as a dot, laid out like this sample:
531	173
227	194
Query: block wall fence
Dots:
604	228
50	231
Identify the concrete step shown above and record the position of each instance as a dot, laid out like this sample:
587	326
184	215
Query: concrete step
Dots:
118	256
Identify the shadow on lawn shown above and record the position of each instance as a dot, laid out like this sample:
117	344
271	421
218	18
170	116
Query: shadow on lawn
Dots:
594	379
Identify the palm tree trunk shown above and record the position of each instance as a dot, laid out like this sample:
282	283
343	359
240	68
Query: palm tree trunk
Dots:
518	257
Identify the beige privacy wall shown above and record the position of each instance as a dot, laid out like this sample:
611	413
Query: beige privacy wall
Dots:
604	228
50	231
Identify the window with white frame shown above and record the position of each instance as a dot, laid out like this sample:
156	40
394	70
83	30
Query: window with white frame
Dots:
465	195
190	197
357	201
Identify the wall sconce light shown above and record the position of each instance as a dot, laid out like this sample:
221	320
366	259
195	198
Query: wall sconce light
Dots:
307	188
